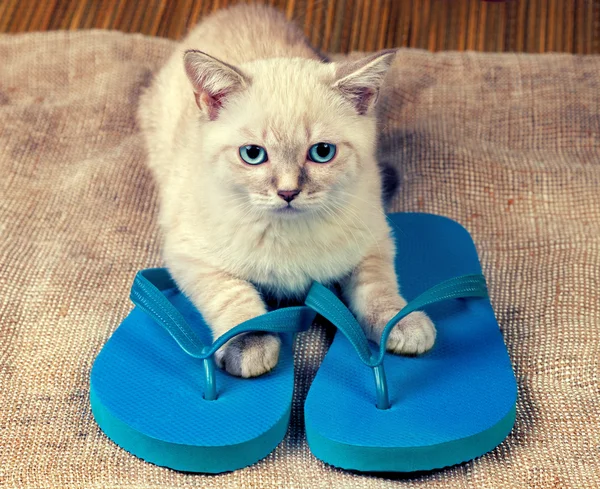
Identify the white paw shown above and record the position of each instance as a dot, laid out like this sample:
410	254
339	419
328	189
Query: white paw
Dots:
249	354
412	335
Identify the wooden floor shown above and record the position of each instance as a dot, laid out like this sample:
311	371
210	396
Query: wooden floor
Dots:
343	25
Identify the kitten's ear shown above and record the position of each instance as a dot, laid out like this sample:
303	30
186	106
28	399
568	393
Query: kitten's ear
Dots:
359	81
212	80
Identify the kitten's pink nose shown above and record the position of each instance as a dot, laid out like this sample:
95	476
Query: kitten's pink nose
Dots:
288	195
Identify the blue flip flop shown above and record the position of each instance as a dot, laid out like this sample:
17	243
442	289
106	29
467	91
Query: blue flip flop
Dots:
369	410
155	392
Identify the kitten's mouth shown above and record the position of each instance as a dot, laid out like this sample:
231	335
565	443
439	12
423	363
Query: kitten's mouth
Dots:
288	210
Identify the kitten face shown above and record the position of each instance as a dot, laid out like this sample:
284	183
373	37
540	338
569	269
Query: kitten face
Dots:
289	106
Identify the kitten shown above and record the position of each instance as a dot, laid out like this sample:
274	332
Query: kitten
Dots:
264	157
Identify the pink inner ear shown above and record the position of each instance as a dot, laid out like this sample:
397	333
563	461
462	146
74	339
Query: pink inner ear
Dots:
212	103
361	97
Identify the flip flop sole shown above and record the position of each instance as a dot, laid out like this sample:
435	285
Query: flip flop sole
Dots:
187	458
450	405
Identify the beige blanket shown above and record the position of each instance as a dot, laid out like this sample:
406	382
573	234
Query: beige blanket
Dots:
509	145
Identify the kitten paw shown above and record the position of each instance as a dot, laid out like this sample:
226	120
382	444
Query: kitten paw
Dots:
413	335
249	354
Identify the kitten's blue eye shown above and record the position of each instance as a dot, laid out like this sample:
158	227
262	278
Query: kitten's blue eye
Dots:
321	152
253	155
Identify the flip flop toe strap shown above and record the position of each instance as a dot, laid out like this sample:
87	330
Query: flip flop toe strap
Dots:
147	293
325	302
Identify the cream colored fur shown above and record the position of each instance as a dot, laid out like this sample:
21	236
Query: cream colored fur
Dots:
226	238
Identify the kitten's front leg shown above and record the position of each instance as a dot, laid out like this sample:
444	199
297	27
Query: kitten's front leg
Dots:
372	294
226	301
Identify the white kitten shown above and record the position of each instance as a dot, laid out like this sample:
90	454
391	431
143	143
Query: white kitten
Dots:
264	156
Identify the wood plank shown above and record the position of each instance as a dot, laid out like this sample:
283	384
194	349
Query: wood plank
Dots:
472	25
500	36
463	18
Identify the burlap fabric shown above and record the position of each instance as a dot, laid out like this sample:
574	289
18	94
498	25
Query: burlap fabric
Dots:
509	145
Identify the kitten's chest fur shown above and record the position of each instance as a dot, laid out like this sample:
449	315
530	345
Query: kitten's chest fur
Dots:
285	258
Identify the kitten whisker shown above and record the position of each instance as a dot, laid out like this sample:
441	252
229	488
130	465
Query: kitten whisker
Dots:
338	220
355	214
378	209
370	204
